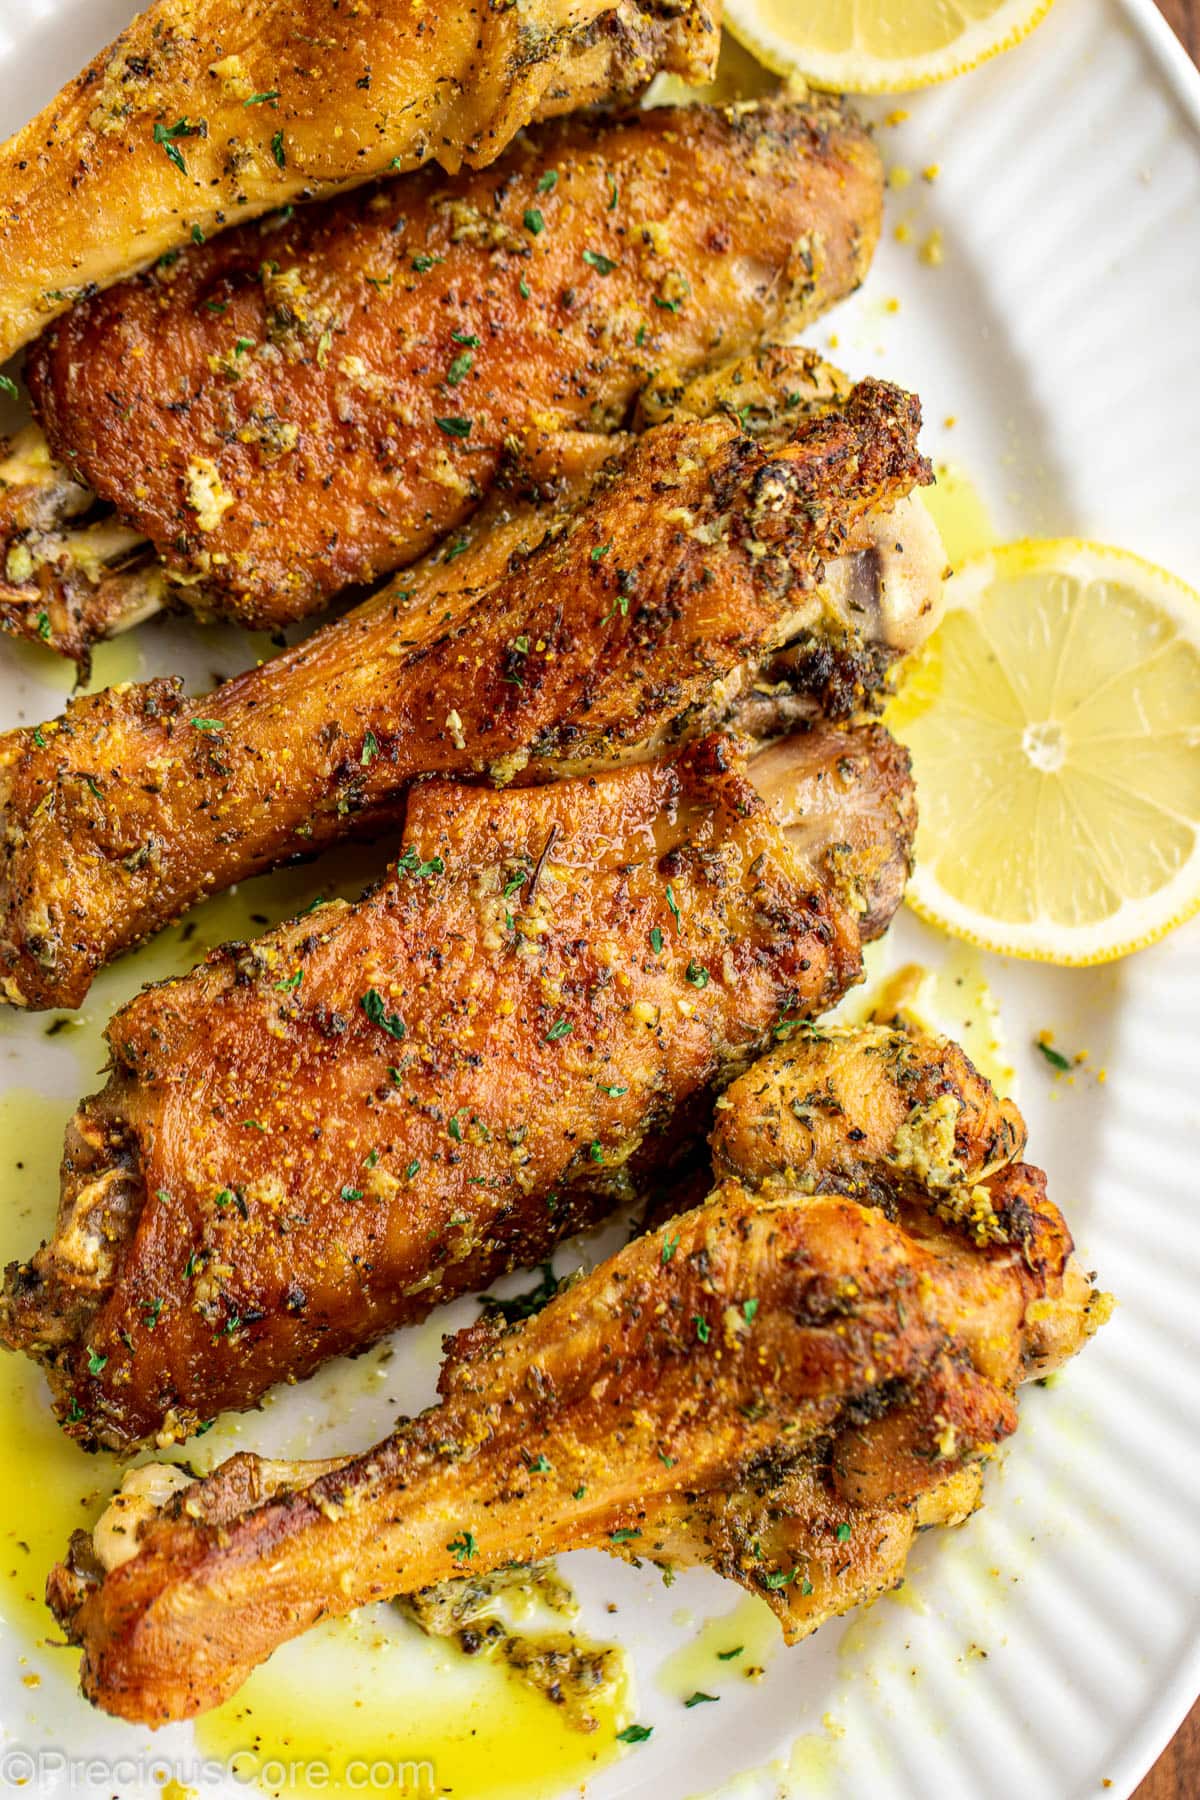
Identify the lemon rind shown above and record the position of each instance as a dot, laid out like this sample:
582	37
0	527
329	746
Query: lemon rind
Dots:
1024	943
842	74
1146	922
1085	557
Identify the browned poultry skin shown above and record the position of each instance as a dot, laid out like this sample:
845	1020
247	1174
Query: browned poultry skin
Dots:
321	1135
312	403
696	553
868	1089
203	112
904	1122
701	1397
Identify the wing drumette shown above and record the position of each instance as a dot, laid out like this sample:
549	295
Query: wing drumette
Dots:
313	402
781	1383
320	1135
645	609
202	113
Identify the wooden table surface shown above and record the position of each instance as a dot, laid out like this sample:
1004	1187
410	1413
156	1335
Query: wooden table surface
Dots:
1176	1774
1184	15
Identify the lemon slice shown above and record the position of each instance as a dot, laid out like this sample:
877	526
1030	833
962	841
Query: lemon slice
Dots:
1054	724
879	46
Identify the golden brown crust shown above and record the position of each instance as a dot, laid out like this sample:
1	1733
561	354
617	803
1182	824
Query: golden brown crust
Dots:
840	1107
203	113
313	402
318	1136
903	1121
699	550
689	1400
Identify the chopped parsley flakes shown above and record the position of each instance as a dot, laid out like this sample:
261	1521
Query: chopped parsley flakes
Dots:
168	136
376	1010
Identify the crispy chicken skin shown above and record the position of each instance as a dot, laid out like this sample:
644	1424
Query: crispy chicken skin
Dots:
783	1383
642	613
202	114
311	403
322	1134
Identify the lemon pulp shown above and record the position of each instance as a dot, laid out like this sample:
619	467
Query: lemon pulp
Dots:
1054	721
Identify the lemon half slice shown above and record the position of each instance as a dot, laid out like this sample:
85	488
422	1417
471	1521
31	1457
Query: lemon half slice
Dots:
879	46
1054	723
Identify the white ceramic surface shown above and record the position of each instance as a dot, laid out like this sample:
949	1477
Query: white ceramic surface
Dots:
1054	1642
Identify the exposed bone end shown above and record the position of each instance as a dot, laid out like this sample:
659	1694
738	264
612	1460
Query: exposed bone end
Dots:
846	800
1059	1325
48	1304
66	596
876	605
66	579
142	1494
36	493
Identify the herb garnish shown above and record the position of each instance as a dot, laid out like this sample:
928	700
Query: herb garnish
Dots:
776	1578
523	1306
376	1010
410	864
166	135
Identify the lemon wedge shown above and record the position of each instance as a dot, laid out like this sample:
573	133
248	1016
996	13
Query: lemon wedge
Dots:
1054	724
879	46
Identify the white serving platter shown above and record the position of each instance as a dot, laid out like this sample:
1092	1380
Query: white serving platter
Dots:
1047	1649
